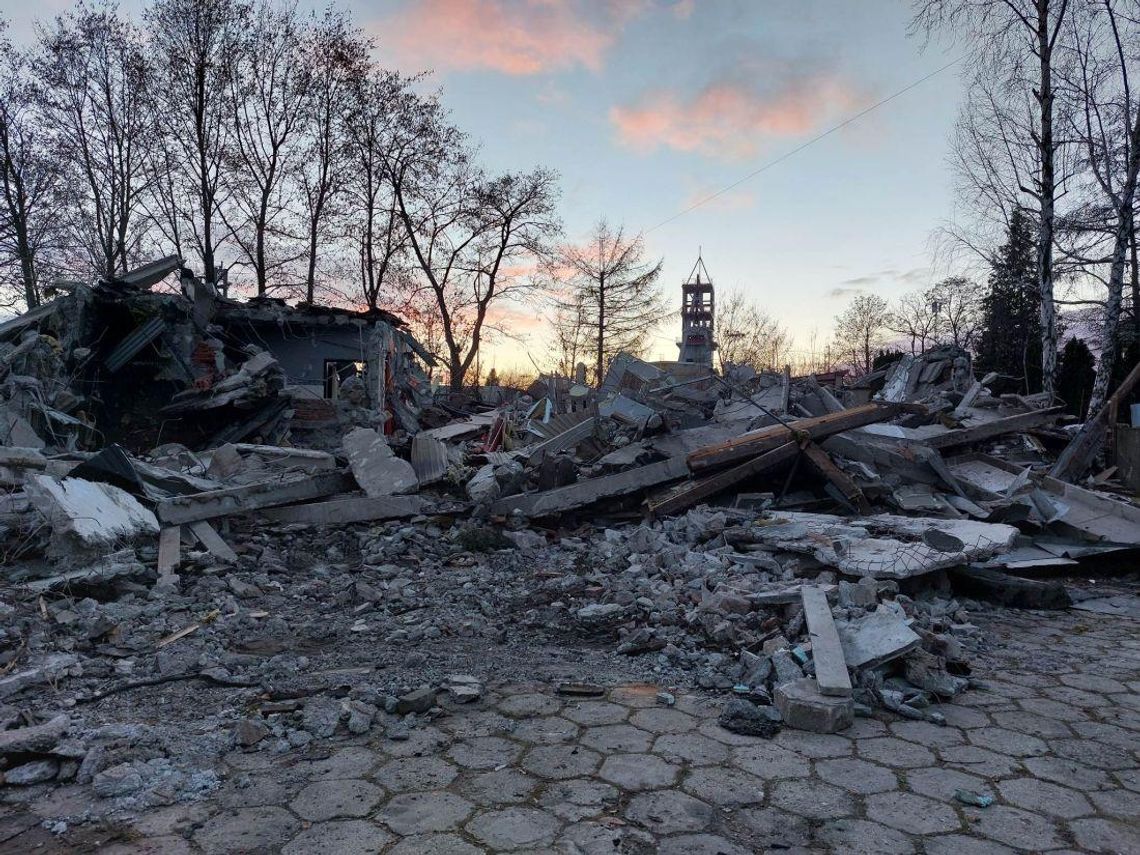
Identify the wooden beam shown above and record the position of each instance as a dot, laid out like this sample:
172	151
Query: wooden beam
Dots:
595	489
351	510
826	650
692	492
169	546
973	392
769	438
213	541
192	507
989	430
822	463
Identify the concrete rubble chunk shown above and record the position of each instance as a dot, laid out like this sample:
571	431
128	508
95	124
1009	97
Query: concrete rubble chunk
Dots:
375	467
876	638
804	707
95	514
40	737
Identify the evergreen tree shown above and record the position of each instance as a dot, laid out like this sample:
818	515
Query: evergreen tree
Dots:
1010	340
1075	376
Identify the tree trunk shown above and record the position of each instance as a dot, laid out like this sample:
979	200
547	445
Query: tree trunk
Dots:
1135	278
601	345
1047	189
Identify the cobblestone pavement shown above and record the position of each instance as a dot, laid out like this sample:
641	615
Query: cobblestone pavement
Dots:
1054	739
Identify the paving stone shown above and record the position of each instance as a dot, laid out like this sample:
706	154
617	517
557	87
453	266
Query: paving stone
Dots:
529	705
499	787
419	741
812	799
815	745
980	761
692	748
1093	683
355	761
1106	835
638	771
958	844
777	828
262	790
1042	796
669	812
803	706
1092	753
436	844
941	783
1124	804
578	798
346	837
514	828
594	838
1053	709
561	761
865	728
546	731
912	813
1110	734
963	717
700	844
416	773
593	713
663	720
1129	779
769	762
484	752
893	752
1074	697
422	813
475	723
1015	827
724	786
712	729
622	738
332	799
860	837
248	830
1038	725
1067	773
857	776
927	734
638	696
173	820
150	846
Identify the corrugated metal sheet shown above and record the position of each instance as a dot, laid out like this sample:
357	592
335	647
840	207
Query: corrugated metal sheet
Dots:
429	458
130	346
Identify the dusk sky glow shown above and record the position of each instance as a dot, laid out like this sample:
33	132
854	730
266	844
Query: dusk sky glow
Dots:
646	106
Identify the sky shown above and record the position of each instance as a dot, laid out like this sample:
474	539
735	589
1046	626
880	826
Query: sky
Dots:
645	107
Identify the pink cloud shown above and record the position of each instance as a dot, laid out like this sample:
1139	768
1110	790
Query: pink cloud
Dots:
511	36
731	120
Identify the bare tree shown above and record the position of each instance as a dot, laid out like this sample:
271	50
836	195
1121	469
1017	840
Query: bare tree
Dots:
957	301
617	290
29	184
747	335
1013	46
916	317
198	42
1104	44
860	330
269	96
337	60
94	81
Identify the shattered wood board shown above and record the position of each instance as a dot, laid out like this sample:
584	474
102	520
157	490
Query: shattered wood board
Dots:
464	429
885	546
826	650
983	475
350	510
595	489
242	500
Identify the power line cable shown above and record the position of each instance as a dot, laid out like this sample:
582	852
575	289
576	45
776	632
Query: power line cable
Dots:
806	144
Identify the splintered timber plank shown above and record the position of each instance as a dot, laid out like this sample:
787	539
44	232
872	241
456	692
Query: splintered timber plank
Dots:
241	500
350	510
595	489
772	437
169	546
821	461
212	540
997	427
692	492
826	651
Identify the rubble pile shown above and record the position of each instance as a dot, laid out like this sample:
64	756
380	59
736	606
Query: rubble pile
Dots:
292	555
